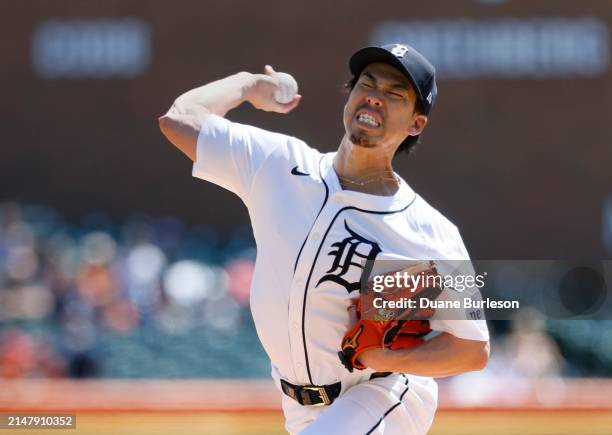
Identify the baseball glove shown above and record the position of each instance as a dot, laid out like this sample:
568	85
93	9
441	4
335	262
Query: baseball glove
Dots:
391	328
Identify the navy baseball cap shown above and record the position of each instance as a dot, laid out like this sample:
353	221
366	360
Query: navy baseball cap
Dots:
413	64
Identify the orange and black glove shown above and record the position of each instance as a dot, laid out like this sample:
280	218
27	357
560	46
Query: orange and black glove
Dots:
394	329
369	334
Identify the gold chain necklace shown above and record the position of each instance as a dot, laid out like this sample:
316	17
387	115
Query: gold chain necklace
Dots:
367	179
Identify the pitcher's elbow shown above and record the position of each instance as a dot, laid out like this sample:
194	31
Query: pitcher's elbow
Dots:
164	122
482	357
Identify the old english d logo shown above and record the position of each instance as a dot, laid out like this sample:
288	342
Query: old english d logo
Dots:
344	258
353	341
399	50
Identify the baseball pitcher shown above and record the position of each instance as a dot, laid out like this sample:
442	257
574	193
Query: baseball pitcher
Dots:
318	219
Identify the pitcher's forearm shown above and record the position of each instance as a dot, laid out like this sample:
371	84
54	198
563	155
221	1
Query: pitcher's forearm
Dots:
217	97
444	355
182	123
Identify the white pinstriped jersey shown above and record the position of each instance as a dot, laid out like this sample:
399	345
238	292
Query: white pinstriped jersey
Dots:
311	238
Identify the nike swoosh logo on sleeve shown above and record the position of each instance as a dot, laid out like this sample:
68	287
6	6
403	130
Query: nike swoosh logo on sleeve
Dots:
295	171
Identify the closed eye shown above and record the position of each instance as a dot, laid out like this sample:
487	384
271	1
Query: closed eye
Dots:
396	95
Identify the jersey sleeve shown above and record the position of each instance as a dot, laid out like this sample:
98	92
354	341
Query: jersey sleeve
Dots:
457	321
229	154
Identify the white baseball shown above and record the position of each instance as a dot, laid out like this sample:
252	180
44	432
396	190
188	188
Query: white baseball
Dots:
288	88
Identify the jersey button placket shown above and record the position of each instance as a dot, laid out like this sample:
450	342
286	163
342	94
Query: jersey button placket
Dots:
298	288
295	330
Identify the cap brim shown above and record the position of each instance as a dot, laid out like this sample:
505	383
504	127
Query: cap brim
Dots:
362	58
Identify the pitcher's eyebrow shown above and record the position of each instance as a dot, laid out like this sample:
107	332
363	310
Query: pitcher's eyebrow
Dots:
395	84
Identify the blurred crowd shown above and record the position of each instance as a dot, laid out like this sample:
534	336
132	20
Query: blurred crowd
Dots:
148	297
142	298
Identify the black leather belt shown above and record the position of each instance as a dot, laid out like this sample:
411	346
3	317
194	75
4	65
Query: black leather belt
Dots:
318	395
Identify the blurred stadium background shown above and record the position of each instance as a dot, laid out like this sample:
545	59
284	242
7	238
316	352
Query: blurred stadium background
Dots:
124	282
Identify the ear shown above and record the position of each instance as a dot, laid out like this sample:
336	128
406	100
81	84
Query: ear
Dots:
419	122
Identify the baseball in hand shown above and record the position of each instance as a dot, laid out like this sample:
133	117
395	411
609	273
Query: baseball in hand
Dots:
288	88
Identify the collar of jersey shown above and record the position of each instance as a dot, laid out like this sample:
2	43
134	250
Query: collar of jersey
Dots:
404	195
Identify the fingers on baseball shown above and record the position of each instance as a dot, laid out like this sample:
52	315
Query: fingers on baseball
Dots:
288	107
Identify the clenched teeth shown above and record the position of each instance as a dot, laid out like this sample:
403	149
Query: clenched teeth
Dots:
364	117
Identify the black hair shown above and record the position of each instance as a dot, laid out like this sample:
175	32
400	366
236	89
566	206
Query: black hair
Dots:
409	144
